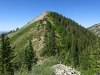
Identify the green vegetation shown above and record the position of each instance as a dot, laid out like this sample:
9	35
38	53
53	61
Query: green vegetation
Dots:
50	43
43	69
20	39
6	57
56	37
23	31
30	56
72	44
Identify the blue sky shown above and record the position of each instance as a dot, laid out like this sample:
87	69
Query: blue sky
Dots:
17	13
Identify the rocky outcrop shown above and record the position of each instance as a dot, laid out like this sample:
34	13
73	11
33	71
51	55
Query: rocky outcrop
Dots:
61	69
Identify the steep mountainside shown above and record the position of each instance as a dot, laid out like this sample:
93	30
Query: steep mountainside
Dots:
55	35
95	29
34	30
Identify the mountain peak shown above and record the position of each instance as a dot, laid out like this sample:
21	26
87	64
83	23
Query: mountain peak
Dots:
52	34
41	16
95	29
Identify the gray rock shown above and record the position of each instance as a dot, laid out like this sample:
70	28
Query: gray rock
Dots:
61	69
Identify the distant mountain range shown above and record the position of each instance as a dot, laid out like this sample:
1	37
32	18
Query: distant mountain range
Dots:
95	29
3	32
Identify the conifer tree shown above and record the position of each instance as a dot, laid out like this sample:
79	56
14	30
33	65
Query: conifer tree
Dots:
50	48
53	48
30	56
6	56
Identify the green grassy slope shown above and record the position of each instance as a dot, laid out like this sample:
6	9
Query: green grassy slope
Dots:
20	39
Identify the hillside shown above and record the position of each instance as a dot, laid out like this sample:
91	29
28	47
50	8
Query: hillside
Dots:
54	35
95	29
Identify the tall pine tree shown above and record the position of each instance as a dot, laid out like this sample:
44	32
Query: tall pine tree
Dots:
30	56
6	56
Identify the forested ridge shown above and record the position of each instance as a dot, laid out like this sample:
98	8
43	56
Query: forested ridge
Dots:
72	43
61	38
